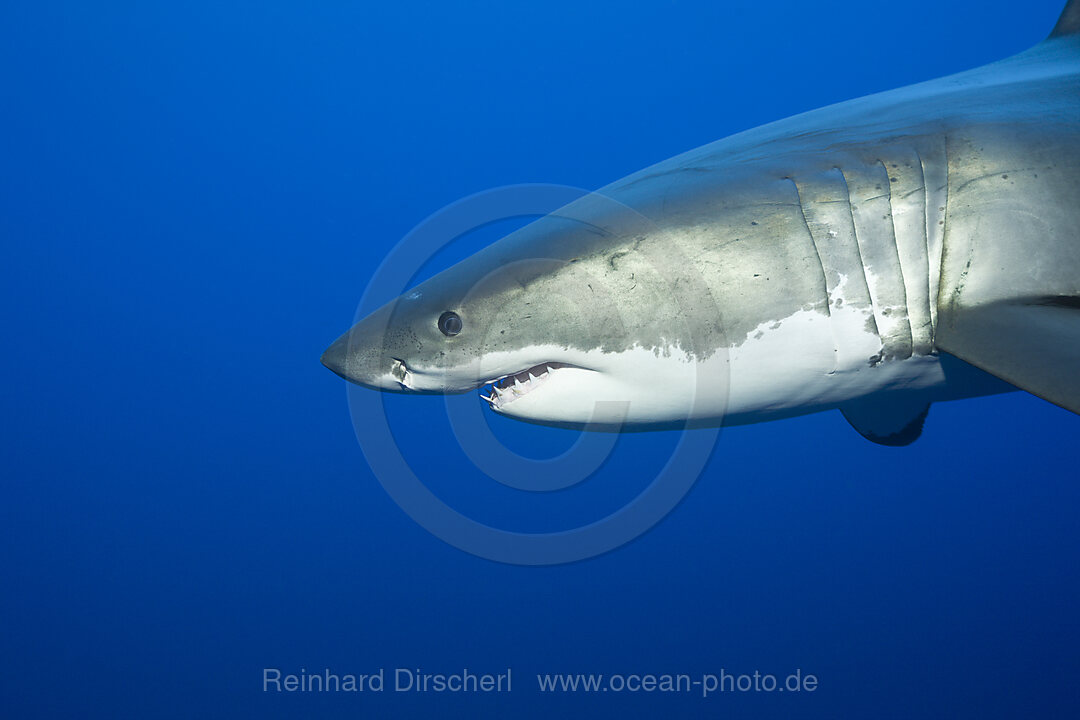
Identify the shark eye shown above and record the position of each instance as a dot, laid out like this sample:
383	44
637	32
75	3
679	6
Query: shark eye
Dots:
450	323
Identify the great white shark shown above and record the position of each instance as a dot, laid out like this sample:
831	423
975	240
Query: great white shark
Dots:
877	255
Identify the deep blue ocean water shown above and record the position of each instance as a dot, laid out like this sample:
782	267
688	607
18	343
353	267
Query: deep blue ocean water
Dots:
193	198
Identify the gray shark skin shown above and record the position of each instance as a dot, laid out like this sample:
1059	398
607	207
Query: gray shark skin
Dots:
875	256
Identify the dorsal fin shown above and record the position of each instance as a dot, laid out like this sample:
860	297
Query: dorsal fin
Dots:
1069	22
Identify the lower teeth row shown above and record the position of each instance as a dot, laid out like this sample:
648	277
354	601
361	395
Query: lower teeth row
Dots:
500	395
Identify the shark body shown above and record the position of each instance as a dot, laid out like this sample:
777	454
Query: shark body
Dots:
874	256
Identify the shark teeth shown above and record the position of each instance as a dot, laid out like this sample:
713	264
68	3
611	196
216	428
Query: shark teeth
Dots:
507	389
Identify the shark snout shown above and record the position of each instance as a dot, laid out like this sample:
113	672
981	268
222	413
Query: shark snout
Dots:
357	363
336	357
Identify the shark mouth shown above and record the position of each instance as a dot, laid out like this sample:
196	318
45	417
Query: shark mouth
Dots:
502	391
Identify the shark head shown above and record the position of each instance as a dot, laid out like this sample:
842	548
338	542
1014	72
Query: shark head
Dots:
565	322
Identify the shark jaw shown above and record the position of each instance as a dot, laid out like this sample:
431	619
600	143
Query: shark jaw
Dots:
502	391
583	389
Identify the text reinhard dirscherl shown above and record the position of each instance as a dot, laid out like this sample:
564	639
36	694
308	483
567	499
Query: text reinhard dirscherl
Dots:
400	680
466	681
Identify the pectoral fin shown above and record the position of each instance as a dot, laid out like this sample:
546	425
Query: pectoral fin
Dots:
1033	343
888	419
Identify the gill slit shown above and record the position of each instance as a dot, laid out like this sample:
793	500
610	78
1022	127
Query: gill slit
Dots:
862	262
824	278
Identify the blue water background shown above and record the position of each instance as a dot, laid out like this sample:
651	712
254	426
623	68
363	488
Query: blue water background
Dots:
193	197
